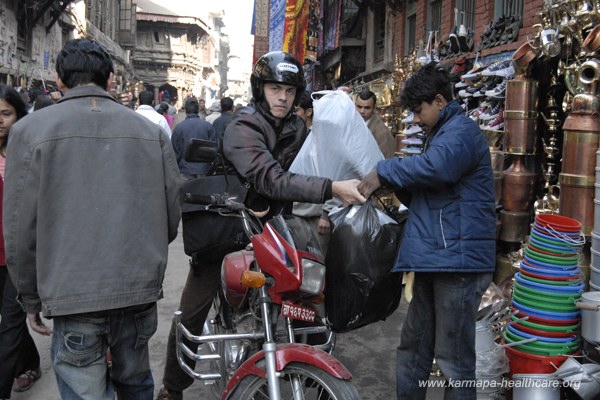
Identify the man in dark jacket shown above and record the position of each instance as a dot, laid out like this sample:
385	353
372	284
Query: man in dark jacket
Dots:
193	127
449	238
260	143
226	114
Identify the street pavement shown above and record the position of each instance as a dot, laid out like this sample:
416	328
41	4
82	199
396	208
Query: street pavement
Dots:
369	352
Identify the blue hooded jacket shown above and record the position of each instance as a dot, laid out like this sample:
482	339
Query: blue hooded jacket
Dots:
451	223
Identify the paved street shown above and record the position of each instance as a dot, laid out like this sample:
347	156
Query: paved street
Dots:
368	352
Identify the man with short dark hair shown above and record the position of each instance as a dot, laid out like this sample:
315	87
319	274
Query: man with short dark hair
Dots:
146	109
226	114
365	105
449	240
193	127
202	111
90	206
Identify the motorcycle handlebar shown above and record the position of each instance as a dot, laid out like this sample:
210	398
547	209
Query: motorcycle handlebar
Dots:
219	200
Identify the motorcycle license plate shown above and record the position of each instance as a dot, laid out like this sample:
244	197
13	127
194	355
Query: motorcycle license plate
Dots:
298	312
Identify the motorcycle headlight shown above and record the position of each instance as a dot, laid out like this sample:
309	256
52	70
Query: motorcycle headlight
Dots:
313	277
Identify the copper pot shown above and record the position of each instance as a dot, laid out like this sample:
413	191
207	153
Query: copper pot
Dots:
525	54
579	152
577	199
521	94
515	225
520	131
518	186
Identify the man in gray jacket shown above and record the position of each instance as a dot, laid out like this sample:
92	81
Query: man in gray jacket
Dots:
90	205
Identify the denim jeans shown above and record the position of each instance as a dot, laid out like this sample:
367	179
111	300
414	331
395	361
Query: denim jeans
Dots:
17	348
440	323
79	346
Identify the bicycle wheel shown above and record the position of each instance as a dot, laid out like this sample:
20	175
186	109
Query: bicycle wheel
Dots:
316	384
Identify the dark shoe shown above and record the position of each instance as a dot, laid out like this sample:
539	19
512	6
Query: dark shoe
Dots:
454	44
26	380
166	394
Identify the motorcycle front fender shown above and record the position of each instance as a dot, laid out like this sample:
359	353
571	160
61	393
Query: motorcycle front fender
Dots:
287	353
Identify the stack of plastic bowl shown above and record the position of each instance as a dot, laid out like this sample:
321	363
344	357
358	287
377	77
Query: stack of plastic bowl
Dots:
545	291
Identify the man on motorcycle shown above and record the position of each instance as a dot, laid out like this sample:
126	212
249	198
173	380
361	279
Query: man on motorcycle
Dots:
260	144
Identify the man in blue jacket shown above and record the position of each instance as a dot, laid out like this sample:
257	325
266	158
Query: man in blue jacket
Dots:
449	238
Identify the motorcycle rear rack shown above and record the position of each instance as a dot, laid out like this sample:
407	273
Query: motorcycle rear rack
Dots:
214	340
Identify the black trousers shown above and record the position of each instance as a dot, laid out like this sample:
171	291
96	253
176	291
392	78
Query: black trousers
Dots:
17	348
200	289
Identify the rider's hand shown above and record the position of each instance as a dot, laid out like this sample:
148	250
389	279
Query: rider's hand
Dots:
347	191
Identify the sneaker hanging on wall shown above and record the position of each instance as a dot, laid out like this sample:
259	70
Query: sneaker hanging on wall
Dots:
454	44
466	40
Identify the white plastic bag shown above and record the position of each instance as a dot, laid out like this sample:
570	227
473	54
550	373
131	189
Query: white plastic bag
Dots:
340	145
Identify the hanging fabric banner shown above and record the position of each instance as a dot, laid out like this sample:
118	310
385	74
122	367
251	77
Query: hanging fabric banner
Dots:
276	24
296	27
260	28
312	37
332	25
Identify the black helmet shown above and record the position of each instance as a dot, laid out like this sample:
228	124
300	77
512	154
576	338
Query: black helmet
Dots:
277	66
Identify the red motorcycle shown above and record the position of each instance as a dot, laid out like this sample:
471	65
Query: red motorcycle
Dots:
252	346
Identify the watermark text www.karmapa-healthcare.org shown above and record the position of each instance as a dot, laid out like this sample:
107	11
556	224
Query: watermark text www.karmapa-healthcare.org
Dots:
502	383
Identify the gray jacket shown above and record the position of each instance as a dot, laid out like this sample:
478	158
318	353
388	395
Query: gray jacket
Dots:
91	202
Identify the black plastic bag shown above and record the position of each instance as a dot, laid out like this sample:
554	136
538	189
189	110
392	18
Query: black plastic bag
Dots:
360	287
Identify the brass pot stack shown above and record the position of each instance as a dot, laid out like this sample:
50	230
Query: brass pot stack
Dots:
580	145
519	179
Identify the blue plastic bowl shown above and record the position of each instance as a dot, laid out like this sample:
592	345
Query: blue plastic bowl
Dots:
573	271
542	338
541	264
543	245
545	314
572	242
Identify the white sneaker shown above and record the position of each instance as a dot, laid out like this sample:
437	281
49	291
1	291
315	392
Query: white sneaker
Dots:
411	150
411	130
408	120
413	141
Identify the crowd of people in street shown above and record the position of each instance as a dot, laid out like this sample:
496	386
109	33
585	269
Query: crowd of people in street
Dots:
92	201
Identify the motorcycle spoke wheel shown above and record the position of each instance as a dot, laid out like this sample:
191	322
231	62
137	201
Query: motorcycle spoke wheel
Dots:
316	384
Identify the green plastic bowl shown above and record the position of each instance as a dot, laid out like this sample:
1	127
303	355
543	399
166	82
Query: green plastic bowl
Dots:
546	295
555	260
543	305
555	283
551	300
543	349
